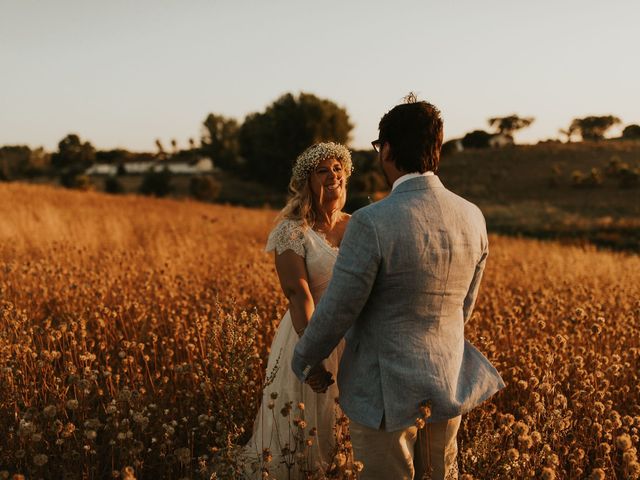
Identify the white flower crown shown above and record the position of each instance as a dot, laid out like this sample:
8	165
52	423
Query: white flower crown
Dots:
308	160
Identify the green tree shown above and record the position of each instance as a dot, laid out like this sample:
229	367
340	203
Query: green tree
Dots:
593	127
271	141
73	154
509	125
220	141
631	132
19	161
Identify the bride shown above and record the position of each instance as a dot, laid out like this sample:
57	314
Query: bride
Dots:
305	240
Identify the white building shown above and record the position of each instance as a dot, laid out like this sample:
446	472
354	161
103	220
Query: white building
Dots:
201	166
102	169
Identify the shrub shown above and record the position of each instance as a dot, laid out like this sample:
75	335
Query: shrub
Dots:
75	180
594	178
205	189
577	178
556	175
631	132
157	184
113	185
629	178
476	139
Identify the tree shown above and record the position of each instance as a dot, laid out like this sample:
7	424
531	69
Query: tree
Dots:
271	141
114	157
476	139
162	155
593	127
220	141
569	132
631	132
19	161
73	153
509	125
367	175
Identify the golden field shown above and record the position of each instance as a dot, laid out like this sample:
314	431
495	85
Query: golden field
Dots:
133	331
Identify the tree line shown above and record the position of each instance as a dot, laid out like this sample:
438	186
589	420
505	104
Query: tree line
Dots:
264	146
590	128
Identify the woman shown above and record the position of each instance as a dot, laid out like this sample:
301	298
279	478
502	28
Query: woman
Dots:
306	240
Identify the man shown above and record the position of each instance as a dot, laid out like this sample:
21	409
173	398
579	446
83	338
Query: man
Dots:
403	286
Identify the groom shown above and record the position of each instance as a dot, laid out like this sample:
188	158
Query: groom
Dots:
403	286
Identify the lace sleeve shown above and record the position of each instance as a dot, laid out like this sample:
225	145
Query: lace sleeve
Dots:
288	235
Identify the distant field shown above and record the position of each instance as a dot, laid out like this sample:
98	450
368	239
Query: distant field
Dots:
525	190
124	349
530	190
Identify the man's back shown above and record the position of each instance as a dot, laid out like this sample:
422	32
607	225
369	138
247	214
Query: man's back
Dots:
409	336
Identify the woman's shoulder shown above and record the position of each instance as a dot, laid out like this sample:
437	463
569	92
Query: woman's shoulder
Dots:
288	234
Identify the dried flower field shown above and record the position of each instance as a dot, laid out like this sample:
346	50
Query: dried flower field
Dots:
132	333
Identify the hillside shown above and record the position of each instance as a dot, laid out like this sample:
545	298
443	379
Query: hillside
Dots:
564	191
531	190
572	191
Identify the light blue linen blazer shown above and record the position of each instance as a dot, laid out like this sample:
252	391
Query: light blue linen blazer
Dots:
403	287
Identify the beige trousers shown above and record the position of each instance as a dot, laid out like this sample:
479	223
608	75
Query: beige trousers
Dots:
407	454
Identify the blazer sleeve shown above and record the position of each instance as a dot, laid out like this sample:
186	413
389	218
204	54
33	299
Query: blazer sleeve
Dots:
474	287
353	277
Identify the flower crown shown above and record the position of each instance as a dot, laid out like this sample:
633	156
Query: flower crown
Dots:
308	160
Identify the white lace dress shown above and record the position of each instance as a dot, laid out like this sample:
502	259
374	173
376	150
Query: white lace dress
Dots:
271	429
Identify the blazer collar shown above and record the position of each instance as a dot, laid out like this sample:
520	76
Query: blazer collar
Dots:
418	183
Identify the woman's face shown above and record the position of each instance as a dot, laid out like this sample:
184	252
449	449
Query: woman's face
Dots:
327	182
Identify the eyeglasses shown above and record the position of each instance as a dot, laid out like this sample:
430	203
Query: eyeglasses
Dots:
377	145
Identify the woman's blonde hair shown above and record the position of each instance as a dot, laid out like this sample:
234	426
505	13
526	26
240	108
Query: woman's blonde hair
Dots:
300	205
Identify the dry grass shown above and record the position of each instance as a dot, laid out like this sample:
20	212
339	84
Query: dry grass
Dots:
124	347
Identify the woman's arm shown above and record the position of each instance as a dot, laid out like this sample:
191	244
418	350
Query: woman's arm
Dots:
292	273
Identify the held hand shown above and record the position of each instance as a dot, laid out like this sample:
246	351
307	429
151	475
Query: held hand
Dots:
319	379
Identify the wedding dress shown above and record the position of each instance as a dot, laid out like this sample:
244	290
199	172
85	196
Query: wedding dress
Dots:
271	429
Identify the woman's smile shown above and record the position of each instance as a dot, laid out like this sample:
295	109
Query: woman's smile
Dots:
334	186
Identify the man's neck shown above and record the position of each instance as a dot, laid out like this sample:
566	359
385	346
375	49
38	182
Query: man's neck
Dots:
392	177
408	176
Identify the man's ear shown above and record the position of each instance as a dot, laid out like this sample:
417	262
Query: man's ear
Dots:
389	153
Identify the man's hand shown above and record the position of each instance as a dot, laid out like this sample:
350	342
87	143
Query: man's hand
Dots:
319	379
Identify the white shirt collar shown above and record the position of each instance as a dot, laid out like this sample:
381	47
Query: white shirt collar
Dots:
409	176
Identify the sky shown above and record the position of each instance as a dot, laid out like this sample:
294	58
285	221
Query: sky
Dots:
122	74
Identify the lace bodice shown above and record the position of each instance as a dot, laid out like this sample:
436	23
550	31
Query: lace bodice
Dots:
288	235
319	255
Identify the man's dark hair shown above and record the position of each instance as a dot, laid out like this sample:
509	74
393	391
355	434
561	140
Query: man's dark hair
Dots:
414	132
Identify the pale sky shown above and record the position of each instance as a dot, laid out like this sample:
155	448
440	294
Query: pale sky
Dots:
122	73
